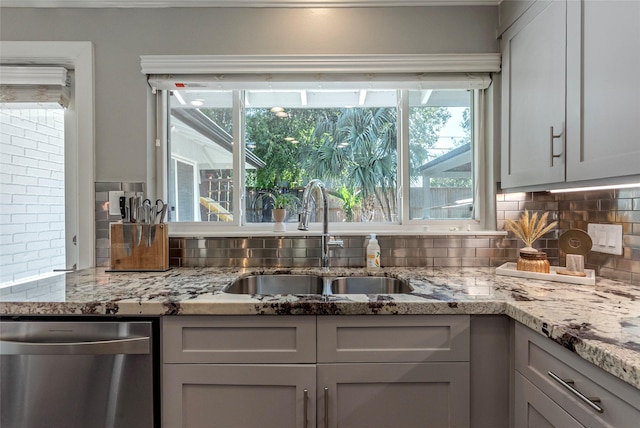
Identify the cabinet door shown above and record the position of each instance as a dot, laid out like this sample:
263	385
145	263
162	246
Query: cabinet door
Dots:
533	409
393	395
533	97
238	396
603	89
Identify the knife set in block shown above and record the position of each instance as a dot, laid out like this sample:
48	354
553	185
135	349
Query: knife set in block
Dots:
139	247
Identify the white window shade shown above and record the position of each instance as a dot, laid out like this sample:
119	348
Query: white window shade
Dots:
22	84
324	81
225	72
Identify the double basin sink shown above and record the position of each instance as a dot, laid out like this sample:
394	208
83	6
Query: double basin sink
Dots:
312	284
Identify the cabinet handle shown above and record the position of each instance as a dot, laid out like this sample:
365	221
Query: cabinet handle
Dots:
591	402
126	345
305	400
326	407
552	137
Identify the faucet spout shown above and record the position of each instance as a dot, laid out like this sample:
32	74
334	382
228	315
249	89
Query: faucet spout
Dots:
303	224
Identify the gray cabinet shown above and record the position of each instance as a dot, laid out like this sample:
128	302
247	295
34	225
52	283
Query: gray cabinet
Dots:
603	90
570	95
263	371
490	358
381	395
236	339
238	396
407	338
553	375
533	97
229	371
406	371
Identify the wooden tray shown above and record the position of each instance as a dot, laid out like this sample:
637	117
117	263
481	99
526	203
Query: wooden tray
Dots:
510	269
128	256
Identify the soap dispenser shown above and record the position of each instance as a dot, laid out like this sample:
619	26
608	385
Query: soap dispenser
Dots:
373	253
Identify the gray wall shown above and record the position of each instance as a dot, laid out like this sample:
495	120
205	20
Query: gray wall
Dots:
120	36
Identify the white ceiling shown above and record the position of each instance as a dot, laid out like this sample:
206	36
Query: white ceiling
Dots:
241	3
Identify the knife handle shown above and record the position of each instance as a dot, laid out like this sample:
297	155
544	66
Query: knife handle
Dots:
123	207
133	209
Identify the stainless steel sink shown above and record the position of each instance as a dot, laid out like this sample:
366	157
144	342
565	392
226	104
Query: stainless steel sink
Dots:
276	284
369	285
272	284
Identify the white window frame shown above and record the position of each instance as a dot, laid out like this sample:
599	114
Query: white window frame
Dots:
271	66
79	127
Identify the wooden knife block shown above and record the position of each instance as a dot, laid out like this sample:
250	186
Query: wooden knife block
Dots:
127	256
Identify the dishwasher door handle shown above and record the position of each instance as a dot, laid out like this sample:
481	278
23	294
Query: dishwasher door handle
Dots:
129	345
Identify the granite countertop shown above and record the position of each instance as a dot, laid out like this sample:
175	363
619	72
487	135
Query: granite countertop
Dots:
600	323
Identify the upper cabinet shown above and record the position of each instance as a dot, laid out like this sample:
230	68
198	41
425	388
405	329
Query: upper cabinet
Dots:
533	96
603	89
571	95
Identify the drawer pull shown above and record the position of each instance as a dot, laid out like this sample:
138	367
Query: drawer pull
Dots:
552	137
305	399
567	384
326	407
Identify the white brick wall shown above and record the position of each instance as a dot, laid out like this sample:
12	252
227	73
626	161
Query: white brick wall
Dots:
31	192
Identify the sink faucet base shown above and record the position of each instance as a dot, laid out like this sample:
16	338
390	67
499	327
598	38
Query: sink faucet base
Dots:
326	241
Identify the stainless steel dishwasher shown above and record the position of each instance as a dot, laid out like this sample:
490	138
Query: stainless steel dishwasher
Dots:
77	374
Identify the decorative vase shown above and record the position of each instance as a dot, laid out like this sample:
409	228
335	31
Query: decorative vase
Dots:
533	262
279	216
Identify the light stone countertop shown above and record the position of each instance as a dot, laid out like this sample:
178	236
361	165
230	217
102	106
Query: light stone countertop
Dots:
600	323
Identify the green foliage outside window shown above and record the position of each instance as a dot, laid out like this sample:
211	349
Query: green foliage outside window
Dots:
353	150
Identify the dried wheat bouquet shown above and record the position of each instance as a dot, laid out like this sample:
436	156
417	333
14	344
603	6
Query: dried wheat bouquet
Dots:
529	228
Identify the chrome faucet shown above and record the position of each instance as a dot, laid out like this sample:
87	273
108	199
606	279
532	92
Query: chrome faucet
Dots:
326	241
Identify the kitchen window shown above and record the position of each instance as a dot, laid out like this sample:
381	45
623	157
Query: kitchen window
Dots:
79	181
394	150
33	177
33	105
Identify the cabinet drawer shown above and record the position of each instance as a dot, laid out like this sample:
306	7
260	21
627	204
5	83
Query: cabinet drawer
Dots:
229	339
537	356
405	338
533	409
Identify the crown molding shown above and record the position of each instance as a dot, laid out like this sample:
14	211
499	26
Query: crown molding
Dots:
240	3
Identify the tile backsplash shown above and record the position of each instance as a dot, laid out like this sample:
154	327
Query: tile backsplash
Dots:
622	206
403	251
575	210
571	210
